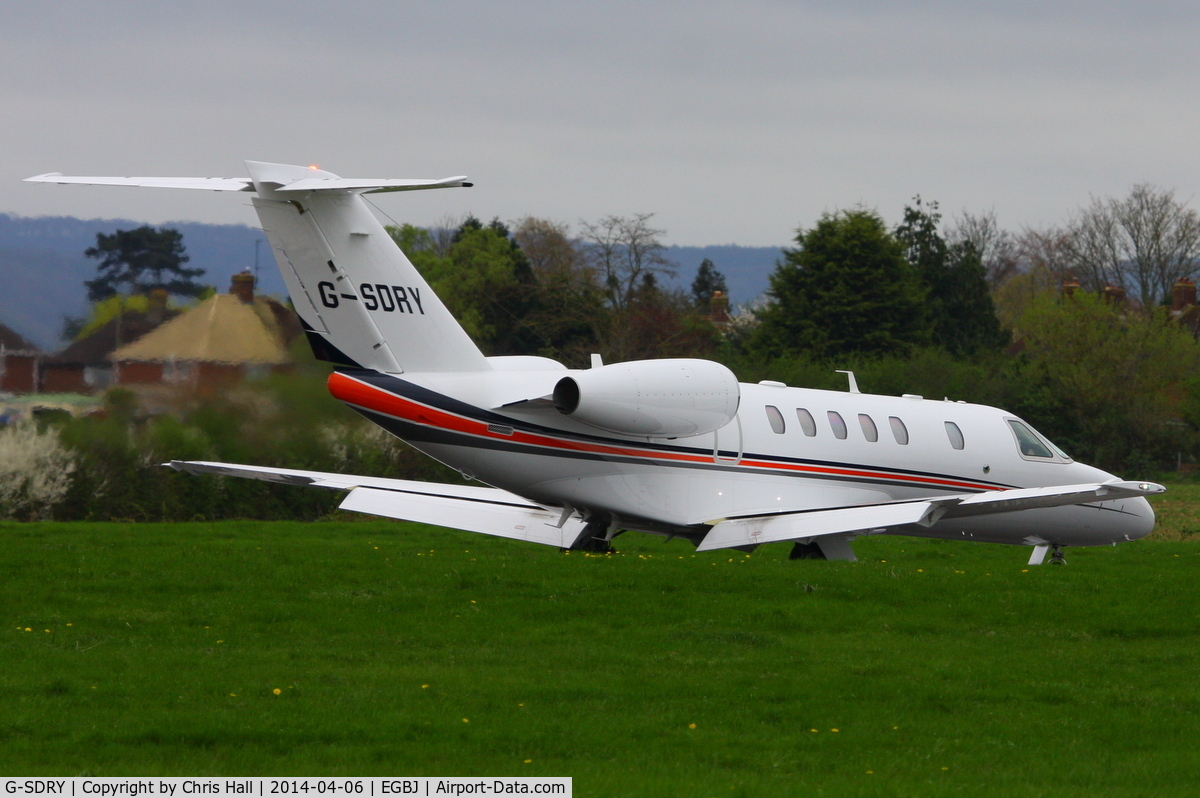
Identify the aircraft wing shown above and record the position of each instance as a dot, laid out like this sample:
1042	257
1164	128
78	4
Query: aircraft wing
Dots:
489	511
804	524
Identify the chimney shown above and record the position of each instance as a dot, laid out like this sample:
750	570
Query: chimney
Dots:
719	308
1114	295
156	309
243	286
1183	294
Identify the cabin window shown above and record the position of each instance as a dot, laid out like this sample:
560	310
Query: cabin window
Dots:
838	425
806	422
870	432
1028	442
899	431
776	419
955	435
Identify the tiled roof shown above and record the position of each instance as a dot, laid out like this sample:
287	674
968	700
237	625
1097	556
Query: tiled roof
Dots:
12	342
221	329
94	349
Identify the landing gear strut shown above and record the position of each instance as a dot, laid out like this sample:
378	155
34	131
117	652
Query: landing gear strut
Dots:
1055	550
596	536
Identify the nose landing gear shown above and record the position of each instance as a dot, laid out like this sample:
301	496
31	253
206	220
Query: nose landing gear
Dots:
1054	549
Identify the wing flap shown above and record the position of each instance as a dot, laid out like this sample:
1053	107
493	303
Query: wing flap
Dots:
759	529
530	524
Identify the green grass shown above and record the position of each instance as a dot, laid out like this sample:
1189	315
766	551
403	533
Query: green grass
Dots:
945	668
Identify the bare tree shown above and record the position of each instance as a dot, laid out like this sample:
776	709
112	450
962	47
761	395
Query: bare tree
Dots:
548	246
1143	243
627	253
1043	263
997	248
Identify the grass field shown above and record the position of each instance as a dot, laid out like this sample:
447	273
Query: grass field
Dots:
368	648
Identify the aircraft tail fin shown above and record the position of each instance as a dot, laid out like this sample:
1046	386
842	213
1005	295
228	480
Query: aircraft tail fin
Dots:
361	302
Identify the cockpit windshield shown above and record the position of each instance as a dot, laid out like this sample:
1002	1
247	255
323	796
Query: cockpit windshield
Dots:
1034	445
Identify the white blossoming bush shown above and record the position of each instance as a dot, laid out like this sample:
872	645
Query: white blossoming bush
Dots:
35	471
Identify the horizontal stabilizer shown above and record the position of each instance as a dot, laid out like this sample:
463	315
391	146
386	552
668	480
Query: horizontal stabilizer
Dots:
199	183
358	186
373	186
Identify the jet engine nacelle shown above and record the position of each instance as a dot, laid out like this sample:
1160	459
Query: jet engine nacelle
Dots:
653	398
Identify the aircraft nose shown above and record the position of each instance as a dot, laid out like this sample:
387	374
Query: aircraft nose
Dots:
1140	516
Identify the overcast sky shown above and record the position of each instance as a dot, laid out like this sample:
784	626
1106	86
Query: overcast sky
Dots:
732	122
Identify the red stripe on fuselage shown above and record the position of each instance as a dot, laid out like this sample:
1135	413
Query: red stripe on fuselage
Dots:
370	397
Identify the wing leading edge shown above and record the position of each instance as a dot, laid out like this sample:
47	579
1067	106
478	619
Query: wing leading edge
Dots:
488	511
800	525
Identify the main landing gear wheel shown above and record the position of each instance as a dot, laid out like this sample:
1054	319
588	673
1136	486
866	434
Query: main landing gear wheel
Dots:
806	551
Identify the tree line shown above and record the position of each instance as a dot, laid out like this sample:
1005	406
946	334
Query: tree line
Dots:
964	310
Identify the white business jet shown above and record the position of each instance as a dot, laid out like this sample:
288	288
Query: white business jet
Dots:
671	447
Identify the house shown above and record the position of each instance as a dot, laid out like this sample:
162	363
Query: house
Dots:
226	338
19	362
84	367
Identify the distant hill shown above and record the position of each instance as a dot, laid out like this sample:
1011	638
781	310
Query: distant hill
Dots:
746	269
43	268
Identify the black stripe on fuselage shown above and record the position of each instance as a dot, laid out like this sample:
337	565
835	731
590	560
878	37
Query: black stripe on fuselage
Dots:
421	433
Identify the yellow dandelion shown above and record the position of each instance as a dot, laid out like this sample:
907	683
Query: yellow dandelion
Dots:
466	720
691	725
814	731
520	705
1024	570
424	687
220	641
233	695
71	624
472	601
920	571
895	727
276	691
833	730
870	773
27	629
47	631
527	761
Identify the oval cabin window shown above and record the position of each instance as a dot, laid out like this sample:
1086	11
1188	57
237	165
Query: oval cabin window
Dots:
837	424
870	431
775	418
806	422
899	431
955	435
